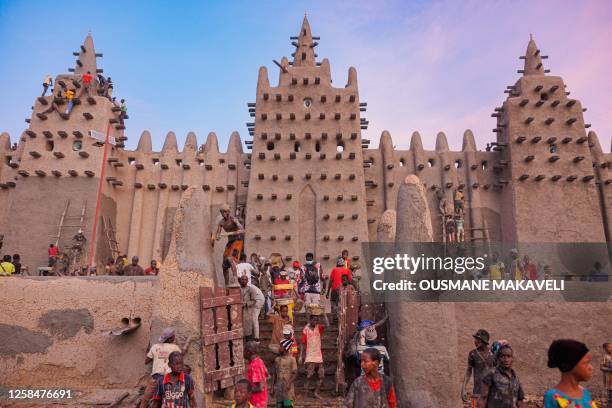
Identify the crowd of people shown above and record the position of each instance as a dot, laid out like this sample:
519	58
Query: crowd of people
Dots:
523	267
121	267
270	285
497	385
170	384
85	84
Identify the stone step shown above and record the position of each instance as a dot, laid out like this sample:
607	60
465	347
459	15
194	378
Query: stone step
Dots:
268	357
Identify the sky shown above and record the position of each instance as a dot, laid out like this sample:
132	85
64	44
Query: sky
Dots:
426	66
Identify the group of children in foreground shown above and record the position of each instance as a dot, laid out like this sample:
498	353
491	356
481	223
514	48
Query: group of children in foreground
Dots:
496	385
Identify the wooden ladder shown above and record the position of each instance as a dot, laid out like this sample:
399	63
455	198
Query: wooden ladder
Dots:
65	217
74	263
111	237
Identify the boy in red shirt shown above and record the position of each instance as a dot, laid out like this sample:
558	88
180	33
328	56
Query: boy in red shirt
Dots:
335	282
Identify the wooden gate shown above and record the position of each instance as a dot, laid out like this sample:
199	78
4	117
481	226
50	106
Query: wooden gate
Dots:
348	316
222	337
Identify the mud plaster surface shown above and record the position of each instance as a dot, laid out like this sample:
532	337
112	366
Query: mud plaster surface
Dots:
17	339
65	324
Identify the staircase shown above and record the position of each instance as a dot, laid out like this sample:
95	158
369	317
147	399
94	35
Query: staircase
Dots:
303	398
328	388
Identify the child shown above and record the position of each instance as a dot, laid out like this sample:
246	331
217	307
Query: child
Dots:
573	359
606	369
242	393
459	228
278	323
311	346
530	269
159	355
501	387
257	375
285	371
175	389
366	337
480	362
450	229
284	293
289	339
371	389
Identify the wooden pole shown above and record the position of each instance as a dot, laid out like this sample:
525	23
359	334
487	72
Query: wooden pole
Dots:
100	186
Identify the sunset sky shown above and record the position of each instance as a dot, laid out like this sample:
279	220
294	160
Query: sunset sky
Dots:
425	66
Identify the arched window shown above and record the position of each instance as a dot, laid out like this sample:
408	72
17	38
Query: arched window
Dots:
297	147
483	165
317	146
458	164
77	145
340	147
49	145
431	162
270	146
402	162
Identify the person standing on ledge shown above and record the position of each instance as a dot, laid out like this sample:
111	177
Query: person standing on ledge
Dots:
47	82
153	269
235	240
133	269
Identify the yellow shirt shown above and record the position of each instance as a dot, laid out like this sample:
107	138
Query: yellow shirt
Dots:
7	268
496	270
69	94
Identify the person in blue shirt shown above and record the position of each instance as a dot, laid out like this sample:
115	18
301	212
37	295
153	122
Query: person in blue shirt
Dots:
573	359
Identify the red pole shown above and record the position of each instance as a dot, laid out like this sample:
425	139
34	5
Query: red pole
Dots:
101	185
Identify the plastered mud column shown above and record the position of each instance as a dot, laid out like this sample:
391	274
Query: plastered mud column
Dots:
187	267
423	340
